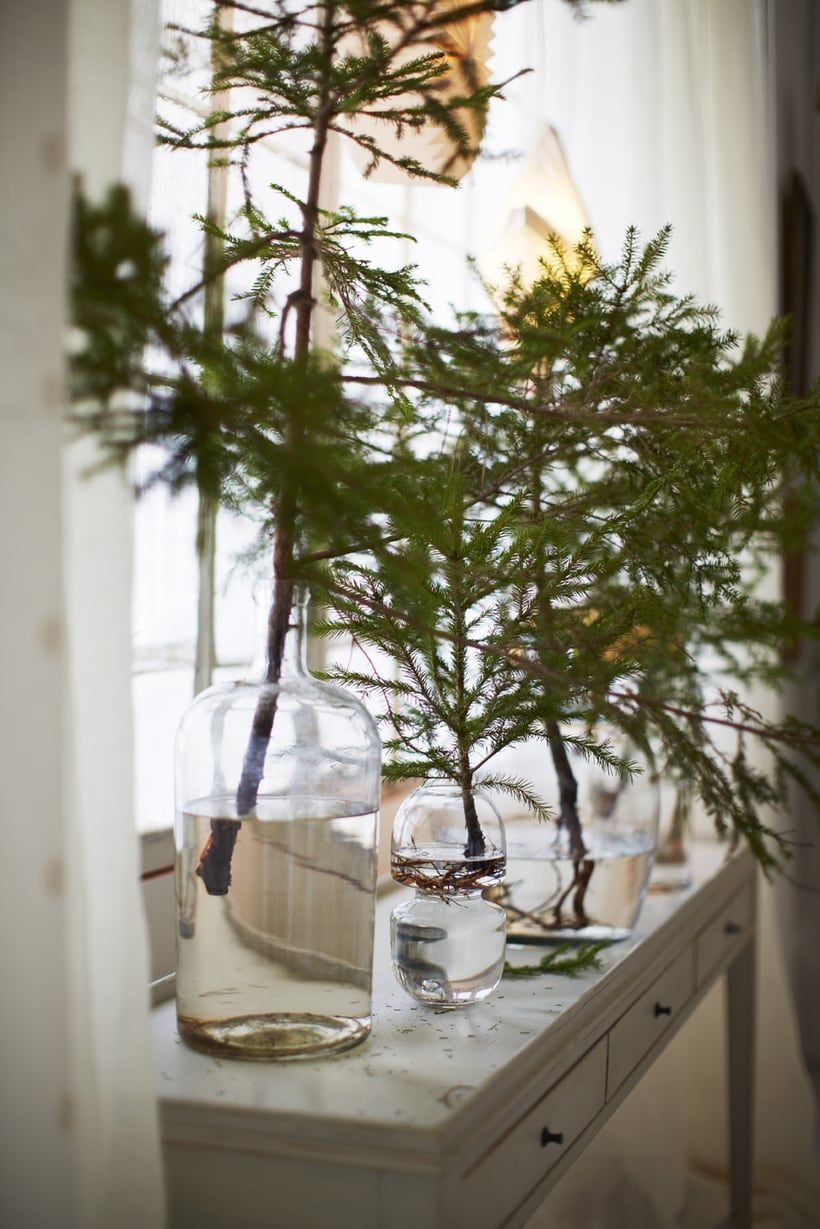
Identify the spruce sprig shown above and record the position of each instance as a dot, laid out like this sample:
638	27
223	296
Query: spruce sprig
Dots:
566	960
441	603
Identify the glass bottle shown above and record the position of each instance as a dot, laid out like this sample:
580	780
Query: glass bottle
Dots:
589	884
278	787
672	871
447	942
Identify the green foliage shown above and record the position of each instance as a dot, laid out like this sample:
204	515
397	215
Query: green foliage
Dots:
639	465
322	70
546	521
433	601
329	65
116	285
567	960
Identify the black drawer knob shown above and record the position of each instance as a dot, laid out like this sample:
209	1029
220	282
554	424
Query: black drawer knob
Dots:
660	1010
732	928
551	1137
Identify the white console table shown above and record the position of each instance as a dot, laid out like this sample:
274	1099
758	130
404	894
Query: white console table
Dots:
461	1118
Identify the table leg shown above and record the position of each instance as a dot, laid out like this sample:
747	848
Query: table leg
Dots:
740	985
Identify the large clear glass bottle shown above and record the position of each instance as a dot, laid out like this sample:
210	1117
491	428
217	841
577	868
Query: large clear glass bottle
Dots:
447	942
278	790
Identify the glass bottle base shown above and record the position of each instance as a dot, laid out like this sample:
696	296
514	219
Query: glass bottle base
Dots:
443	995
280	1037
519	936
448	952
670	876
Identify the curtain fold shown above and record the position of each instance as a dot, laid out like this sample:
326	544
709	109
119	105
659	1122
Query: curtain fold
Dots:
36	1173
80	1142
112	63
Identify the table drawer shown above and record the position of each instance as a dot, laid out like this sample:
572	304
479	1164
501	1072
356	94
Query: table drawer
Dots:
722	937
493	1187
648	1019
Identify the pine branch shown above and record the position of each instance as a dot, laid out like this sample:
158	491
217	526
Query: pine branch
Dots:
566	960
520	790
608	459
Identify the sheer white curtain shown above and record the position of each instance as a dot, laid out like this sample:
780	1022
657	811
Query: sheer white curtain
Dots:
36	1186
112	64
81	1143
663	107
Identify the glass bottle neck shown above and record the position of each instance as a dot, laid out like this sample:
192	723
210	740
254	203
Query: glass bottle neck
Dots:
442	785
282	643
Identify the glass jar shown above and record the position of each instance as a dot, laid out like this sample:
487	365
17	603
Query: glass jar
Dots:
588	882
278	787
672	871
447	942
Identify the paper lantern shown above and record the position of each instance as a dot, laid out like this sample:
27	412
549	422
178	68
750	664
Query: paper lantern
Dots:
542	207
466	46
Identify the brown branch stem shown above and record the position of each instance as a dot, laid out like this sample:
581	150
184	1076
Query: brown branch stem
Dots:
568	817
214	866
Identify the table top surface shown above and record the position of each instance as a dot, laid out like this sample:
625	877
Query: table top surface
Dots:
422	1067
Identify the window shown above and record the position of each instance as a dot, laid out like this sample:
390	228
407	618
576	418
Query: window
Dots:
447	225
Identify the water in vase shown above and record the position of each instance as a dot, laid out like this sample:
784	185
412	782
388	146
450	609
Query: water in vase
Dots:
549	895
448	951
275	930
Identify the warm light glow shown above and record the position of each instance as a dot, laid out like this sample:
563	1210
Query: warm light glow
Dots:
466	47
542	205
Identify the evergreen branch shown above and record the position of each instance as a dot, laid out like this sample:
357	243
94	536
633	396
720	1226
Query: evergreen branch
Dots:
608	453
521	791
566	960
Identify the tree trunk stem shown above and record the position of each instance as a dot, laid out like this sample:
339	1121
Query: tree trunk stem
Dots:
476	846
215	860
568	817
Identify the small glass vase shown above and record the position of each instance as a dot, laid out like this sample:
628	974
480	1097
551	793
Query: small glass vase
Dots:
278	789
447	942
672	871
556	891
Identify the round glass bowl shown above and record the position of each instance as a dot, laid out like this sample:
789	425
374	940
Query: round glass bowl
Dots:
555	892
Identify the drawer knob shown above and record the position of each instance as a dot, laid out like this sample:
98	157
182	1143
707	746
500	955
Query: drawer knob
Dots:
661	1010
732	928
551	1137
